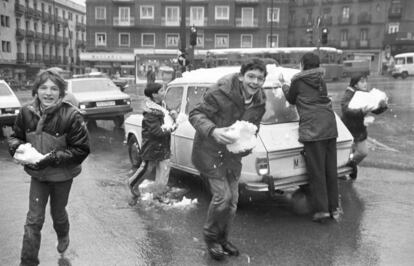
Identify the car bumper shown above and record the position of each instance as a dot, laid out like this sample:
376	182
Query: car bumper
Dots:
106	112
7	120
271	184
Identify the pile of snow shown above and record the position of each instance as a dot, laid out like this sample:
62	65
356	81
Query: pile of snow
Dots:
367	100
27	154
245	135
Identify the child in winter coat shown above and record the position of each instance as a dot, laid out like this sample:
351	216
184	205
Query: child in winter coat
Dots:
157	126
354	121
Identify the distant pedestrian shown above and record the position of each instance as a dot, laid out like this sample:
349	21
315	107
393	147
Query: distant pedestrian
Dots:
150	75
237	96
56	130
318	133
156	141
354	120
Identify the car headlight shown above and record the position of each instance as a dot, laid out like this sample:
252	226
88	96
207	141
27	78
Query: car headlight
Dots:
262	166
17	111
82	106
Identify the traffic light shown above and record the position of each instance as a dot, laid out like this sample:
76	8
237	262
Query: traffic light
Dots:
324	37
183	60
309	33
193	36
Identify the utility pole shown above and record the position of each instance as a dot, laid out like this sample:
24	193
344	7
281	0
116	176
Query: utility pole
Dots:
271	24
183	40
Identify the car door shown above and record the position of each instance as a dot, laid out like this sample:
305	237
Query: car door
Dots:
184	135
173	101
410	65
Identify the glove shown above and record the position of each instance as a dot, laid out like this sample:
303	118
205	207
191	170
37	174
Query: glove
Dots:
49	160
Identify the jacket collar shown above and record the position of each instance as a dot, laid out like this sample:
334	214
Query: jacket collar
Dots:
309	72
34	107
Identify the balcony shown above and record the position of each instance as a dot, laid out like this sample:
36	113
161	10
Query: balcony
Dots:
38	58
242	23
65	41
45	17
344	21
65	60
395	13
30	35
30	58
80	26
37	14
166	23
20	33
123	23
46	37
19	9
363	44
30	12
123	1
343	44
38	36
46	58
244	2
80	44
20	58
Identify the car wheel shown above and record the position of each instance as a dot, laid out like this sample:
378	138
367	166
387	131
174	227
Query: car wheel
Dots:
119	121
300	201
91	125
134	152
404	75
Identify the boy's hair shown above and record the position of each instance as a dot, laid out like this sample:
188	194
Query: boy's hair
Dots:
253	63
309	61
54	76
152	88
356	78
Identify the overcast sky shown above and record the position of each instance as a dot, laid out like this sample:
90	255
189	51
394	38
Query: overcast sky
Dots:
81	2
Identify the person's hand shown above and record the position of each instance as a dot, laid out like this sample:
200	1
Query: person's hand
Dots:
366	110
220	135
173	114
48	160
282	80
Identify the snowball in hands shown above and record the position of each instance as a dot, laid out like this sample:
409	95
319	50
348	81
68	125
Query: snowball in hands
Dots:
26	154
245	135
367	100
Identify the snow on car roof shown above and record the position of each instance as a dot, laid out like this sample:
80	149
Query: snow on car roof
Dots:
212	75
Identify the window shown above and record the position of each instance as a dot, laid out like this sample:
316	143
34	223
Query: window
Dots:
100	39
173	98
221	13
148	39
124	39
70	15
197	16
172	39
363	34
344	36
272	41
393	27
221	41
409	60
63	14
5	21
246	41
172	14
124	15
6	46
100	12
194	96
275	17
345	12
200	40
396	7
147	12
247	16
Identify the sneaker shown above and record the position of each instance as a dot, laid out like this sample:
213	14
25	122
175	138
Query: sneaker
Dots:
321	217
215	250
134	192
230	249
354	173
63	244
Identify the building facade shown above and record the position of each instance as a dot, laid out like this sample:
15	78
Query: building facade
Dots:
36	34
122	26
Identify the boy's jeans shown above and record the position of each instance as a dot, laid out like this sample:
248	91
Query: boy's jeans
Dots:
38	197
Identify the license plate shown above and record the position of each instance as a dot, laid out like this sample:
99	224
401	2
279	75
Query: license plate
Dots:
107	103
298	162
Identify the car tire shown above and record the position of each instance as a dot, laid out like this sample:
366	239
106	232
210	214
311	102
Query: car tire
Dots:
300	201
134	152
404	75
91	124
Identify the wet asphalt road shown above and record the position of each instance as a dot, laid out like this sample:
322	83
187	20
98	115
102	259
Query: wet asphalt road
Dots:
375	228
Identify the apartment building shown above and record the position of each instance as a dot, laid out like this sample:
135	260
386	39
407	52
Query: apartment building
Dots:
118	27
37	34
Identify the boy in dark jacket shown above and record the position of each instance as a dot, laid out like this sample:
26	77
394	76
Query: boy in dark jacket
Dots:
318	133
354	121
235	97
55	129
156	140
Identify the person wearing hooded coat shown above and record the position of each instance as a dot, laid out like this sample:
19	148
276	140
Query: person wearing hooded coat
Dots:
318	133
55	128
354	121
237	96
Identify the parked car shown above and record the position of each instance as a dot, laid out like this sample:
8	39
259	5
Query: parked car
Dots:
275	164
100	99
352	67
404	65
9	105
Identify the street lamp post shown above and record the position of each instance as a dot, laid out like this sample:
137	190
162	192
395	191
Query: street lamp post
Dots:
271	23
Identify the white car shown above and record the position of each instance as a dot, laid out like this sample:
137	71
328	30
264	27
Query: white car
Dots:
9	105
100	99
275	164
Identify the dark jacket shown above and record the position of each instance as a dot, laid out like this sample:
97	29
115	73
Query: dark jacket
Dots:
155	140
62	131
221	107
354	118
150	76
317	118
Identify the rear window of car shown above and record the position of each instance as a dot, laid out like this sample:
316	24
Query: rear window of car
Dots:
278	110
4	90
92	85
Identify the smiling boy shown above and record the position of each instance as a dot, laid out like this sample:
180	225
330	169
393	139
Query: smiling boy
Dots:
235	97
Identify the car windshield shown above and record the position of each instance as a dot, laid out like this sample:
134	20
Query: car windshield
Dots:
400	61
4	91
277	108
93	85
